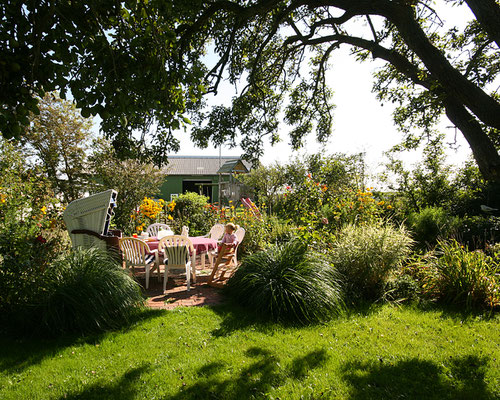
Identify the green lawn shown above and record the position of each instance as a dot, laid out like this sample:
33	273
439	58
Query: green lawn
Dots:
204	353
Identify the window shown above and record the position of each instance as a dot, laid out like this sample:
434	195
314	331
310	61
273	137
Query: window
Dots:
173	196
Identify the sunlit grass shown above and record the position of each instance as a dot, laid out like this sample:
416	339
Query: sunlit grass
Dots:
203	353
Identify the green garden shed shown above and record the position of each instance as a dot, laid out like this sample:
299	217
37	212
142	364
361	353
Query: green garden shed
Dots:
212	176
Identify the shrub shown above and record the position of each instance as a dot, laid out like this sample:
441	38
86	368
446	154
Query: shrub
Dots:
85	291
366	254
191	209
429	225
464	278
401	288
476	231
287	282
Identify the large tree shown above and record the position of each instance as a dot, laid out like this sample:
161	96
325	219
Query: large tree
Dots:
142	60
429	70
58	138
117	58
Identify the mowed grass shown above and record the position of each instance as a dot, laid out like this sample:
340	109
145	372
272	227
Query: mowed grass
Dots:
222	353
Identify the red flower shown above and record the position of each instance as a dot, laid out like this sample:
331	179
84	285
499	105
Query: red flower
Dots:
309	176
288	187
41	239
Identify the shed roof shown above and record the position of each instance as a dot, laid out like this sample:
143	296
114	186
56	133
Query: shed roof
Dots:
203	165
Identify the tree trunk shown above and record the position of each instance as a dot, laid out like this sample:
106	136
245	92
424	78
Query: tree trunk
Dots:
485	154
487	12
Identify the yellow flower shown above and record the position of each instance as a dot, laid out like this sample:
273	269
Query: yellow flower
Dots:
380	203
44	210
170	217
389	207
139	228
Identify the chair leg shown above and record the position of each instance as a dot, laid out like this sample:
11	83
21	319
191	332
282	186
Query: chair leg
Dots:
165	278
147	276
188	276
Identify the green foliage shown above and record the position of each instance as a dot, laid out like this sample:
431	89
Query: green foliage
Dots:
58	137
401	288
462	277
428	184
83	292
478	230
287	282
366	255
131	179
429	225
119	60
30	226
191	210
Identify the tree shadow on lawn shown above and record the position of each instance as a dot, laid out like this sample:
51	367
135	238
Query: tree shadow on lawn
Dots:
456	378
262	374
123	388
26	350
456	312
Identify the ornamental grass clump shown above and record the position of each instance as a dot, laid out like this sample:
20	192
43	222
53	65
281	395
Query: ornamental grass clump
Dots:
288	282
85	291
366	255
464	278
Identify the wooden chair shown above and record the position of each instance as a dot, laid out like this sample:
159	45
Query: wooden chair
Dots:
179	254
153	229
136	253
228	262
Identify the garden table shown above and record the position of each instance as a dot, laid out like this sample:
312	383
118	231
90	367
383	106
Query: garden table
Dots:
201	246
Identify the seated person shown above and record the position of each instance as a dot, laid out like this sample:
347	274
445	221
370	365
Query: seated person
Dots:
226	247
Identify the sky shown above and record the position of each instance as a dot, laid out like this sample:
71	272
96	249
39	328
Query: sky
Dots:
361	122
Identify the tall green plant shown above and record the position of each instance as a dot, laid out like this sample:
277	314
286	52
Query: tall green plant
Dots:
465	278
288	282
82	292
191	209
366	254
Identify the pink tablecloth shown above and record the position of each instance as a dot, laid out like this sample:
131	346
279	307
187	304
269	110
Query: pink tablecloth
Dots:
200	244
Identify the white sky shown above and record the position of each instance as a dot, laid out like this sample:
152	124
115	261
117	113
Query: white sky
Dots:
361	122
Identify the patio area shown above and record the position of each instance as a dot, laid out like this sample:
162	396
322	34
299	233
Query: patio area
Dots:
176	294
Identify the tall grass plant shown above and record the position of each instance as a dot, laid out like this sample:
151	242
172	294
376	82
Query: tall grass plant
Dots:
288	282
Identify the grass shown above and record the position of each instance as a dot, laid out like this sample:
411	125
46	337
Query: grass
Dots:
223	353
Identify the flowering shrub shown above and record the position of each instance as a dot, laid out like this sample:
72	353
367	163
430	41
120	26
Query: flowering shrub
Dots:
151	211
31	233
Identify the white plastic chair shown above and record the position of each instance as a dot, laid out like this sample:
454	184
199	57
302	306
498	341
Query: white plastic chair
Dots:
216	233
136	253
153	229
179	254
185	231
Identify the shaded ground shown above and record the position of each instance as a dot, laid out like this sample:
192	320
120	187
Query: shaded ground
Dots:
177	295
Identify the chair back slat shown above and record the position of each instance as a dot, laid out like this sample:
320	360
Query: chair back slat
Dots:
216	232
153	229
134	250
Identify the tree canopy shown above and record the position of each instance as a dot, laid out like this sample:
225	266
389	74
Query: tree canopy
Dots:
139	62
